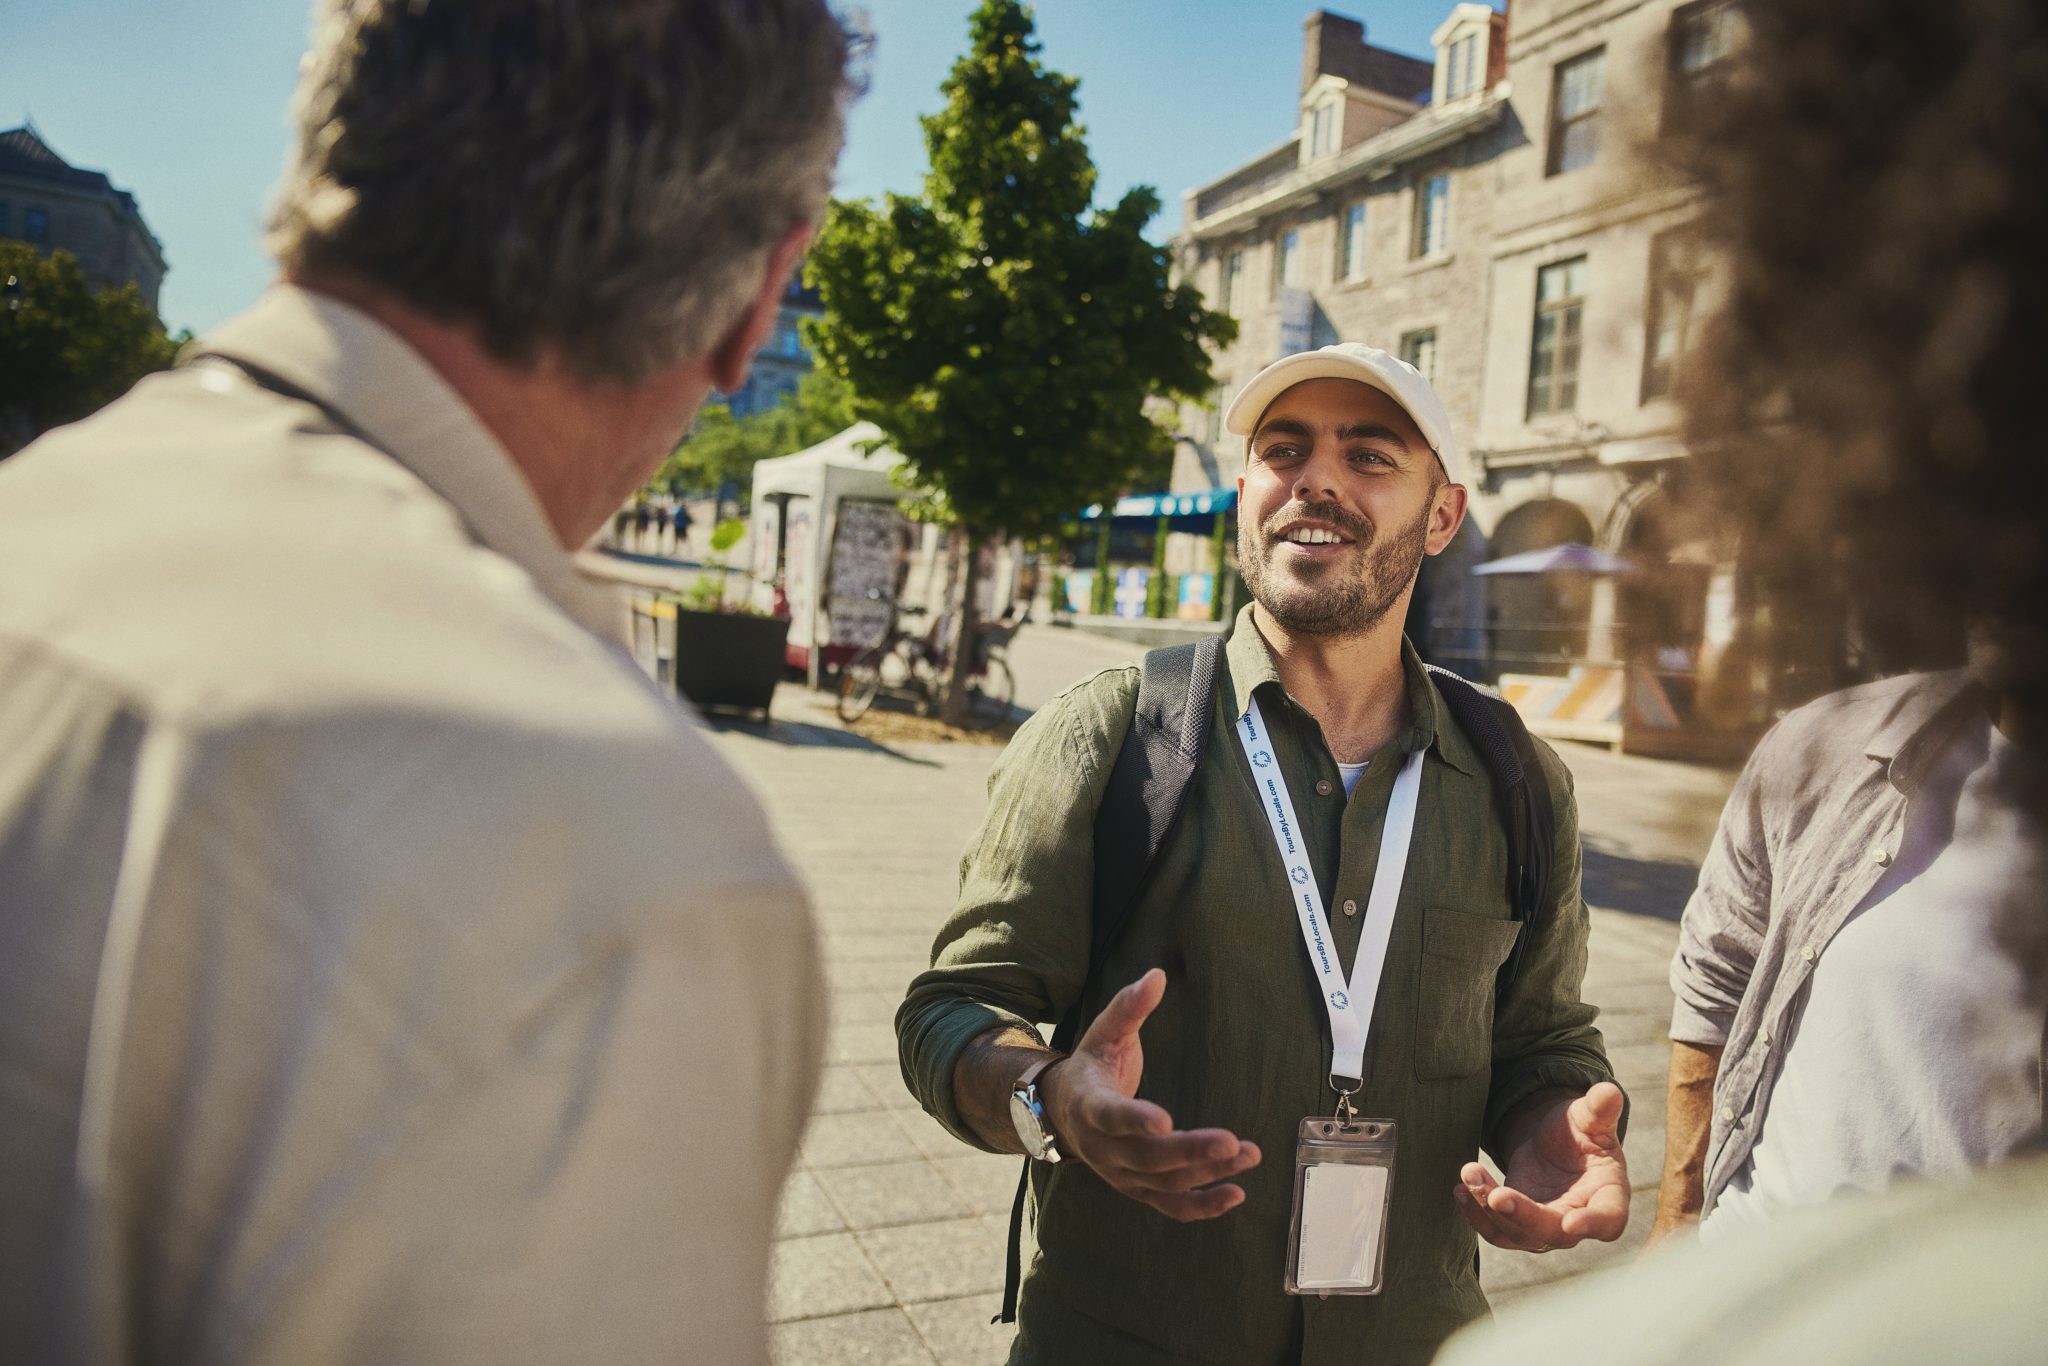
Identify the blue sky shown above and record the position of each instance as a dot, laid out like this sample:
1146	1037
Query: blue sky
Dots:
183	102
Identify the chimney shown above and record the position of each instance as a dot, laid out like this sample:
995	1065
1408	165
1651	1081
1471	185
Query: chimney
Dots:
1329	43
1497	47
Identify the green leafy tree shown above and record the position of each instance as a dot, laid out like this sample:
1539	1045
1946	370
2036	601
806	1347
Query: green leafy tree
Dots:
66	351
1004	336
723	448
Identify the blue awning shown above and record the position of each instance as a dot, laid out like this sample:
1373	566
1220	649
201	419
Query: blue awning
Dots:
1150	507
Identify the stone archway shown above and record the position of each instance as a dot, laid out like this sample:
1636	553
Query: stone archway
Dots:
1446	616
1661	607
1537	623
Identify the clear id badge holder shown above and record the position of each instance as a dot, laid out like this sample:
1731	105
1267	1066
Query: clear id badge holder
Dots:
1343	1183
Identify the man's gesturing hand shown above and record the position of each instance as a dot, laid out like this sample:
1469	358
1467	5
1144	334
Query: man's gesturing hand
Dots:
1566	1178
1132	1144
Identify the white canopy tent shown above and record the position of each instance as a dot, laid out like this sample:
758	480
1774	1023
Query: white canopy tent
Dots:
805	504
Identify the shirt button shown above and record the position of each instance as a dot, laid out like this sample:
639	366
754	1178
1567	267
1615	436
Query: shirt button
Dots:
1763	1036
1880	855
1807	953
1323	787
1727	1114
1350	906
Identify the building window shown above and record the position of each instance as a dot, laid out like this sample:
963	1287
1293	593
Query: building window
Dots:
1433	215
1325	129
1461	73
1351	243
1575	111
1418	348
1668	318
1702	37
1233	282
1554	352
1287	261
35	224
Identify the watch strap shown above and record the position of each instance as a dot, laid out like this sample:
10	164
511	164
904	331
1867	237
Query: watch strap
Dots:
1029	1075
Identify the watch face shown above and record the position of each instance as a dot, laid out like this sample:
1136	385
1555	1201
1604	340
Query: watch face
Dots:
1024	1116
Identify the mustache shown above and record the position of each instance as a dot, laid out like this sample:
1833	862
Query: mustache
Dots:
1280	523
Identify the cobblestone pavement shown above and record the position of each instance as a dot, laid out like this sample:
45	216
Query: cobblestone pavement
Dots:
891	1241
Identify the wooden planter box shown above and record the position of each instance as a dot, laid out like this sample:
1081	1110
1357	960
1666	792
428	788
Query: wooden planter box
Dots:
728	659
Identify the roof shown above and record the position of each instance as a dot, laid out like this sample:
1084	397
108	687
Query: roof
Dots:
1285	189
858	454
1382	69
24	154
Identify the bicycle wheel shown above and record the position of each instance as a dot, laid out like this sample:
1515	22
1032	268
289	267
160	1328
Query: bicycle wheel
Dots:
859	681
988	696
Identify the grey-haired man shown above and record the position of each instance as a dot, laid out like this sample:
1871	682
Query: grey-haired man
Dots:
390	974
1165	1234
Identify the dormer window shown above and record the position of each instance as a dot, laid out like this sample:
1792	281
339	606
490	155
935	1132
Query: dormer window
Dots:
1461	77
1326	128
1463	45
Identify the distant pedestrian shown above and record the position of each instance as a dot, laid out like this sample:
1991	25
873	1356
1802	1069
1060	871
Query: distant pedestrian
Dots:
682	528
642	516
387	973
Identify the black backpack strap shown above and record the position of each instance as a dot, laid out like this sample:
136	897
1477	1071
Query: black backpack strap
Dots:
1140	809
1146	794
1522	794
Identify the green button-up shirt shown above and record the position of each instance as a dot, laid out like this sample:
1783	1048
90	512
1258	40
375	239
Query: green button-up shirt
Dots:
1241	1039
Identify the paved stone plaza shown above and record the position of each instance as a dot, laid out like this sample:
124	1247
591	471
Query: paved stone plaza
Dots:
891	1247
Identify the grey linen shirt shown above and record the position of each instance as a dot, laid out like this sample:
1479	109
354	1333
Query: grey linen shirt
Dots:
388	972
1812	825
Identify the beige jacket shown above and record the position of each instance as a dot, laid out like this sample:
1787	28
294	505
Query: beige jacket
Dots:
388	973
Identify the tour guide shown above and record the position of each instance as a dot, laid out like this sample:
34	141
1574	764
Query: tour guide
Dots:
1449	1034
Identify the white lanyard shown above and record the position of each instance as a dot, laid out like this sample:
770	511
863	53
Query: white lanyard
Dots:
1349	1003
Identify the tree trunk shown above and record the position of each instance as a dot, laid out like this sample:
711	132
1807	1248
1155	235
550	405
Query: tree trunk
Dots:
961	631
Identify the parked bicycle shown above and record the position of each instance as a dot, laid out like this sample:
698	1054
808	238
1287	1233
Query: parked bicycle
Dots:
910	665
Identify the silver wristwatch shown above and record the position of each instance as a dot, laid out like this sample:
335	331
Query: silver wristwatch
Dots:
1027	1112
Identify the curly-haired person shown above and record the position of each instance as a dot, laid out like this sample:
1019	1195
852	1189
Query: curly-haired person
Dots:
1857	1082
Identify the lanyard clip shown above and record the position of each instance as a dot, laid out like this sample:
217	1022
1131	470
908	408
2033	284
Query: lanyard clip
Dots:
1345	1113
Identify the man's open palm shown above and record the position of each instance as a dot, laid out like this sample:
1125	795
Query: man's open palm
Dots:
1091	1101
1566	1182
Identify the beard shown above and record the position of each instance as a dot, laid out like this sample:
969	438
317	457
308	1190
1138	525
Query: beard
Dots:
1339	597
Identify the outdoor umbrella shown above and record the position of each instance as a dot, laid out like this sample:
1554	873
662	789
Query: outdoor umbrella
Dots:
1570	558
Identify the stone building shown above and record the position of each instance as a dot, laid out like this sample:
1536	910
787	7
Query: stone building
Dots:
51	204
1371	223
783	359
1500	215
1594	287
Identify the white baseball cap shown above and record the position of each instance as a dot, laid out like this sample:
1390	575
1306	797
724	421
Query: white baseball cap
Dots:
1389	374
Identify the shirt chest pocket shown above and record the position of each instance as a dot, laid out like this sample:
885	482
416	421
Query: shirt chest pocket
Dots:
1461	957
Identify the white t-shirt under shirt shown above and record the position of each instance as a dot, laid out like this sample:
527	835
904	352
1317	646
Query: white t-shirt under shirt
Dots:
1350	773
1911	1052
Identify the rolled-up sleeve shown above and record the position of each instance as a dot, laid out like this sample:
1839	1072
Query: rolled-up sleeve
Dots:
1015	950
1543	1032
1722	929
